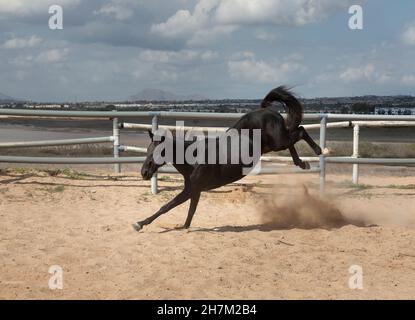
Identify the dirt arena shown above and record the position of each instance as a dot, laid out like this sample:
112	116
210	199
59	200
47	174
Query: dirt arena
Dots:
249	240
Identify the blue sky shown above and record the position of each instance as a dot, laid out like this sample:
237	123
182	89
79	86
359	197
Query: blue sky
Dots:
109	50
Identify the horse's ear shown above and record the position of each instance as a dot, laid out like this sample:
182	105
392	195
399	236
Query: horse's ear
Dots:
150	133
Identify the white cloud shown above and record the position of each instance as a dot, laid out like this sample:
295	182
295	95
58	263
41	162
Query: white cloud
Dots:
151	75
368	73
53	56
44	57
23	60
119	9
252	70
21	43
177	57
408	35
206	36
213	18
25	7
281	12
209	55
21	75
159	66
358	73
265	35
159	56
180	24
197	27
183	22
408	80
384	78
242	55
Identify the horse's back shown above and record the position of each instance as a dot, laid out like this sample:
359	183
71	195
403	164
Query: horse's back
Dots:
260	119
270	122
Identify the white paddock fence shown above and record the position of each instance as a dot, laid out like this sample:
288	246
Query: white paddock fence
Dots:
339	121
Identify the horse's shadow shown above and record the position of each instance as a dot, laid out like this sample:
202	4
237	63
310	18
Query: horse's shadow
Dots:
268	227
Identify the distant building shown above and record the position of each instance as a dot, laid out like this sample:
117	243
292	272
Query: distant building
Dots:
395	110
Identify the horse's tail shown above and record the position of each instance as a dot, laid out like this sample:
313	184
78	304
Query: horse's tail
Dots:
293	106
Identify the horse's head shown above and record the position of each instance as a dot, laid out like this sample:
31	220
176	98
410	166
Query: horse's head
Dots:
150	166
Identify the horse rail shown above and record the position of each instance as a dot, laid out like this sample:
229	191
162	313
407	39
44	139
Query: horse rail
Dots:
186	128
263	158
112	160
341	124
125	160
262	171
49	143
349	120
72	160
187	115
145	127
380	161
132	149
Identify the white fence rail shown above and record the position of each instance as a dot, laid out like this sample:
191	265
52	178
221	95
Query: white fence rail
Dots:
343	121
51	143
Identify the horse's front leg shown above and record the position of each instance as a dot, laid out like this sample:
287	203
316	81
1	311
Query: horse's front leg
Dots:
194	200
178	200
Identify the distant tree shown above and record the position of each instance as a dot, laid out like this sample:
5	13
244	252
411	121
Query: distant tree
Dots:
110	107
344	110
362	107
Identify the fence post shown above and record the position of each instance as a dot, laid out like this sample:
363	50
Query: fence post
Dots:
154	182
356	132
116	134
323	128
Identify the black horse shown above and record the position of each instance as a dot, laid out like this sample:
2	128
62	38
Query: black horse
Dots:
276	134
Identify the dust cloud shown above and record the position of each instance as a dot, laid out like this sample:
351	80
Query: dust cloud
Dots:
303	210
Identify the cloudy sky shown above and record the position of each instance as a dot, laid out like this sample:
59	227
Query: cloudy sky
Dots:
109	50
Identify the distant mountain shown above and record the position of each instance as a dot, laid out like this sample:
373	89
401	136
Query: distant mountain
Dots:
161	95
4	98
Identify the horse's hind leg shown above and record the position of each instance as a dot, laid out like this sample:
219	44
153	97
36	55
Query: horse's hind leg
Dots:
306	137
194	200
296	159
178	200
301	134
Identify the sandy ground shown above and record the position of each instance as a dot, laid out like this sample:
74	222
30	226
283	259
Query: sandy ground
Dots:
249	240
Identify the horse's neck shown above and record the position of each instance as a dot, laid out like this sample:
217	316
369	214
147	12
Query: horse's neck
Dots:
185	145
184	168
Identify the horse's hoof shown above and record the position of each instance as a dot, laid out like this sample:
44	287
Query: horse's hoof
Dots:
305	165
318	151
326	151
137	226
